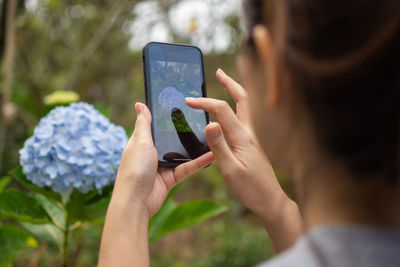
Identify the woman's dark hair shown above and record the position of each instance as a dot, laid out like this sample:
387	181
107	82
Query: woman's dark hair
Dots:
344	59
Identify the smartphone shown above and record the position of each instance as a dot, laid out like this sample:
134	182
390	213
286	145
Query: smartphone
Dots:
171	73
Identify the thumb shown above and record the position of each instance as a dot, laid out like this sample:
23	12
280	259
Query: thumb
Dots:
217	143
143	123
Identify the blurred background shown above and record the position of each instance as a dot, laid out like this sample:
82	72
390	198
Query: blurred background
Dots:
93	48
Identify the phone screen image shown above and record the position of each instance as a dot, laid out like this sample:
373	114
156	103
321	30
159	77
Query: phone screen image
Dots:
176	72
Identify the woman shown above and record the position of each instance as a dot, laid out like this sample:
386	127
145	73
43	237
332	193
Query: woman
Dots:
328	72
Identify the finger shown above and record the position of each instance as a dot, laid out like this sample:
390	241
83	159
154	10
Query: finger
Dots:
142	130
235	90
238	94
224	114
188	168
222	152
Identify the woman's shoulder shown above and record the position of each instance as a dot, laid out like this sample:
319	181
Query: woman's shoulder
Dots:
298	255
343	245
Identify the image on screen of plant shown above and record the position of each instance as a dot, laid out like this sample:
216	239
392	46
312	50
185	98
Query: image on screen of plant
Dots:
176	126
171	82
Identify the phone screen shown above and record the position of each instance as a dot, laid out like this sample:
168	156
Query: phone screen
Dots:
175	72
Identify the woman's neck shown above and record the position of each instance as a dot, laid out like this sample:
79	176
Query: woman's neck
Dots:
328	194
333	197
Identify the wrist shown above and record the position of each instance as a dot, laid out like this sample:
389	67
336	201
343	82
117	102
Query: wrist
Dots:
125	206
278	212
283	223
126	195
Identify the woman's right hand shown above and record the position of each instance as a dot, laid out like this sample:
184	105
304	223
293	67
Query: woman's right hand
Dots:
246	169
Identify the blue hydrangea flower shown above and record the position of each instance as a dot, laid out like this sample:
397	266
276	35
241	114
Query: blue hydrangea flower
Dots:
171	98
73	147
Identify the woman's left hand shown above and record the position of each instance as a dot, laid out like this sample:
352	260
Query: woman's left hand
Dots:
139	192
139	180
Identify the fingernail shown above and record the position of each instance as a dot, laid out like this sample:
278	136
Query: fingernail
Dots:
214	131
189	98
220	71
138	108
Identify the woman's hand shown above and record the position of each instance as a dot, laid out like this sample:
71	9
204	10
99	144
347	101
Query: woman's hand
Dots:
246	169
139	177
140	190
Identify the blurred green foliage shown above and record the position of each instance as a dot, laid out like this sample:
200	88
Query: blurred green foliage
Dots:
53	217
223	244
14	240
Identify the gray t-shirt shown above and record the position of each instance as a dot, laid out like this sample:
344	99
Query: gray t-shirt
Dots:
343	246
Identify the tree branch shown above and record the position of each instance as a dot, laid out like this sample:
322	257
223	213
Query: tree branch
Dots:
8	66
94	42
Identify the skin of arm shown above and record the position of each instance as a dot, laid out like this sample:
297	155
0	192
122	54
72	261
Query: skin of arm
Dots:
124	240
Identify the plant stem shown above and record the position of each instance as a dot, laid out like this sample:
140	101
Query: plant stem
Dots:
38	255
78	248
65	242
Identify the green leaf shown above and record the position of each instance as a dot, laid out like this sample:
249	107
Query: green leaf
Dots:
18	175
189	214
54	209
16	204
4	181
158	219
47	232
12	241
96	212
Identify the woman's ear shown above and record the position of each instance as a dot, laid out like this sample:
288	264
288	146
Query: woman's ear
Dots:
264	47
